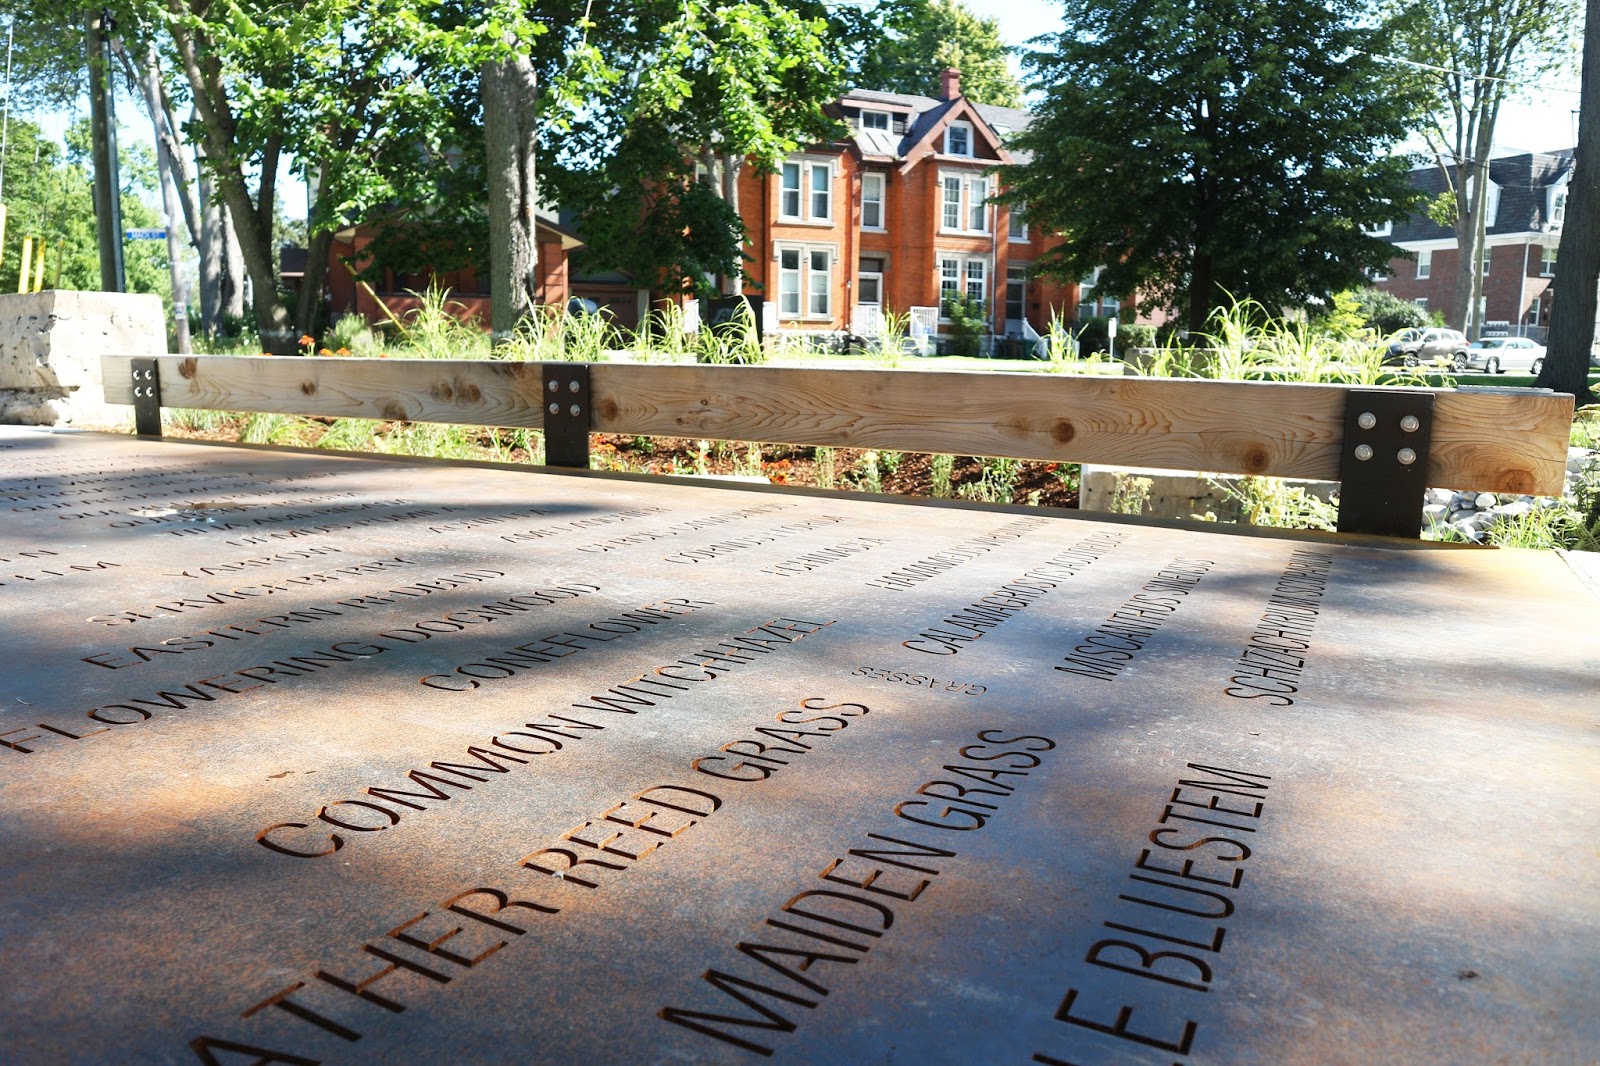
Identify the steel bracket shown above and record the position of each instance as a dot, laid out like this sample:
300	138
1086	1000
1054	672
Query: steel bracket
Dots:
567	414
146	398
1384	469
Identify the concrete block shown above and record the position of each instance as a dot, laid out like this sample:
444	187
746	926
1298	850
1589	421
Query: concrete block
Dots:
50	348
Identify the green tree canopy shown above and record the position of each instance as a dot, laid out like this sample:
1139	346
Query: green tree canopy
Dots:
1194	148
921	38
683	93
47	198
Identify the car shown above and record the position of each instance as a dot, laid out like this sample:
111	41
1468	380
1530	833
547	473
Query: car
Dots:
1496	355
1417	346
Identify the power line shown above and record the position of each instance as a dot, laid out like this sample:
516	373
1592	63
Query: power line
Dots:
1467	74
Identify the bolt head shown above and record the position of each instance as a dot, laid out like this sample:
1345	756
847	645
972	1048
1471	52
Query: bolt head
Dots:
1406	456
555	408
1367	420
1363	452
1410	423
575	410
554	386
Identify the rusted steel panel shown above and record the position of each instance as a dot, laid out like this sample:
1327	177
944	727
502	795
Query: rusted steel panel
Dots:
313	758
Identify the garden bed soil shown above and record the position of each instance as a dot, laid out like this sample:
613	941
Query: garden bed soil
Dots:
898	473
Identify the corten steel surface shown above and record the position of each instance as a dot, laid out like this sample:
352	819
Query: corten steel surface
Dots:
315	758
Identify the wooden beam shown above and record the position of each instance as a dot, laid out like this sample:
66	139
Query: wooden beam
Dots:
1497	440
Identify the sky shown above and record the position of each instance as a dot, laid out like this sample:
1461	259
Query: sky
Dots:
1540	120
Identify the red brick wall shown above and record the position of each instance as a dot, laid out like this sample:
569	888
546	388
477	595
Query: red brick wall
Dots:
1510	292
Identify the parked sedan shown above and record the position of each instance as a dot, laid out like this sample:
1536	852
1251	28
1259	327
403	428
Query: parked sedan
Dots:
1419	346
1496	355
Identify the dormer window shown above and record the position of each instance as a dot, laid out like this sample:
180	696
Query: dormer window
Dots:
1383	229
874	120
1558	206
958	139
1491	207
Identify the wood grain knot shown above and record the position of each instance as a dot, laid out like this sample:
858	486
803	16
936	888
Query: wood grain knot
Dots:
394	412
442	392
1255	461
607	409
469	393
1062	431
188	368
308	388
1520	482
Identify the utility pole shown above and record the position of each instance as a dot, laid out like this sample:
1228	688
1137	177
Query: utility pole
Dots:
103	130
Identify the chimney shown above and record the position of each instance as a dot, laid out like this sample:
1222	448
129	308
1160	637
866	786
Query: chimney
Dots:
949	83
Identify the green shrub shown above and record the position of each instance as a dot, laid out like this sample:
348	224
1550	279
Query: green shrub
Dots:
1135	336
968	324
1385	313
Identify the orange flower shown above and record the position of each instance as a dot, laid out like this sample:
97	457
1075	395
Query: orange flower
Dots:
324	351
343	351
306	340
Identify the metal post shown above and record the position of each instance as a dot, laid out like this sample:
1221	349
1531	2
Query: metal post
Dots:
103	131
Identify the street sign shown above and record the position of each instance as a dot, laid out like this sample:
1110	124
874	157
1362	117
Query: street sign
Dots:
146	234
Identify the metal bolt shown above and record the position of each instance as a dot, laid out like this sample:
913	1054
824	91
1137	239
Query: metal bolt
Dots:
1367	420
1410	423
554	386
1406	456
572	386
575	410
555	408
1363	452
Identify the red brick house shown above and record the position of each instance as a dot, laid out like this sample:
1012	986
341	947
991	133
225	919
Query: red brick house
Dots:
898	216
1527	203
469	295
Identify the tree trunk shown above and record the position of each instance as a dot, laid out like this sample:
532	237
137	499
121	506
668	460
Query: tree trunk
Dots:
308	317
210	246
180	284
168	160
1200	282
254	220
169	136
1566	363
731	166
508	90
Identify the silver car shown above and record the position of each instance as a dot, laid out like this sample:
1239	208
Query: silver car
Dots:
1496	355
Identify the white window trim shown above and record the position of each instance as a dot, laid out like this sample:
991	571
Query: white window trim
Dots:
1547	261
961	124
806	217
1382	230
1491	206
1558	192
800	190
888	119
964	214
1017	211
805	249
1425	264
883	202
940	256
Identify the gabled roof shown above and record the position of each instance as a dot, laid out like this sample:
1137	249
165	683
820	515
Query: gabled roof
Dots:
924	116
1524	182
